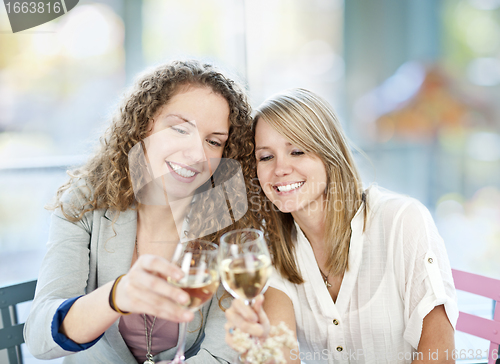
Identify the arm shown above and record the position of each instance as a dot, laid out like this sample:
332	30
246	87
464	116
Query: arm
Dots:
64	275
437	338
143	289
279	308
429	294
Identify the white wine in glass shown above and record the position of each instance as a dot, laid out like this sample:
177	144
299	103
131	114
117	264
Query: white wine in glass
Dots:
198	261
244	263
199	285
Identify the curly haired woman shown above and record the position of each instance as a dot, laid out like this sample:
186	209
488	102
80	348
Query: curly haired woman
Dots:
102	227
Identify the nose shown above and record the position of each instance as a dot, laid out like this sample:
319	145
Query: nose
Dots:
283	166
194	152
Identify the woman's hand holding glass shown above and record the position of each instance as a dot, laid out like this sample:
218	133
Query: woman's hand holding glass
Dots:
250	319
146	289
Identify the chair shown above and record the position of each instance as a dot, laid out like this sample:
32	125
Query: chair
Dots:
478	326
11	334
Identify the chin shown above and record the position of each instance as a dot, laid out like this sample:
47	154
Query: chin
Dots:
285	207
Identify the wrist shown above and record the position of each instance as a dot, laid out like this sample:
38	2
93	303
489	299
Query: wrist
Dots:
112	297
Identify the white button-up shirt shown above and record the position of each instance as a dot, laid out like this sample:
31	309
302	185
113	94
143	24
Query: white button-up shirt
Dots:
398	272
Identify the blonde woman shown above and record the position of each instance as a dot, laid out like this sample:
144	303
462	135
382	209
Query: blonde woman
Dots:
360	275
185	116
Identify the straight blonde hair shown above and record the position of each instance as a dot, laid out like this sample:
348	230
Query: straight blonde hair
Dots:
310	123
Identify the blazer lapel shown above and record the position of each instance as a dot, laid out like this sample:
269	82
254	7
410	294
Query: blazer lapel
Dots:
116	244
114	257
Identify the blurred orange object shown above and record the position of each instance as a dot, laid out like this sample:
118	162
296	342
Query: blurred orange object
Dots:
434	107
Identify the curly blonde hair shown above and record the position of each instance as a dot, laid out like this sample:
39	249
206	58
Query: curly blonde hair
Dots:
107	173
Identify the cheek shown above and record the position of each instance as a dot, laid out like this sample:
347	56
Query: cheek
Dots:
261	175
162	148
213	152
268	192
265	183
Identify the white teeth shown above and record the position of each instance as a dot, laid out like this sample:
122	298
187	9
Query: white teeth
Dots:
290	187
181	171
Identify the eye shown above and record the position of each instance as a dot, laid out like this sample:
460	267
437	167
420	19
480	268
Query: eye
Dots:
214	143
297	152
265	158
180	131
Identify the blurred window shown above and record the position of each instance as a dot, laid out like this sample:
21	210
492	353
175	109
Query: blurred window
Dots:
61	81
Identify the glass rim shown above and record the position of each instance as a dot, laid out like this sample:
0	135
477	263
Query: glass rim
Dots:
259	233
206	242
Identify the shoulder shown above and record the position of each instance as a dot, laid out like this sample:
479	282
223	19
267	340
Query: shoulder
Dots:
277	281
74	205
77	189
389	208
405	226
75	196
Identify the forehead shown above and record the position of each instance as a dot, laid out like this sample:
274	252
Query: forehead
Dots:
268	136
186	92
197	103
264	131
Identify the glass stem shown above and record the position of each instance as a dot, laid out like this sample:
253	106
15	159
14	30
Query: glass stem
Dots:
179	355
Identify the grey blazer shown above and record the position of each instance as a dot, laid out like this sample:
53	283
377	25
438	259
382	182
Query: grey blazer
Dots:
85	255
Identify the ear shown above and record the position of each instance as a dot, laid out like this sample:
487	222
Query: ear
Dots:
150	126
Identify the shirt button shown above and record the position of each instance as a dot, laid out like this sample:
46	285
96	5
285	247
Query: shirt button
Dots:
430	260
335	322
339	348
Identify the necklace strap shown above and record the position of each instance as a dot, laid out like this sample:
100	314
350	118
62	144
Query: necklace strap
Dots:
325	278
149	338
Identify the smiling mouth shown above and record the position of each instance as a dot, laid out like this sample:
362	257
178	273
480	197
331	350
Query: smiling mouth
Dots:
289	187
181	171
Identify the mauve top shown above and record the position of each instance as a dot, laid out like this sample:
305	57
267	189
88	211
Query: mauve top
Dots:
165	334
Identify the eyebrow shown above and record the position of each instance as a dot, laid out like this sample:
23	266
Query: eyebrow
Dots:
193	125
288	144
182	118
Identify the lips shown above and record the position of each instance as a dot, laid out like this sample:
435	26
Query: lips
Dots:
182	170
287	186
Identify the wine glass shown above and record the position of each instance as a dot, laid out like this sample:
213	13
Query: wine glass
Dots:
198	261
244	263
